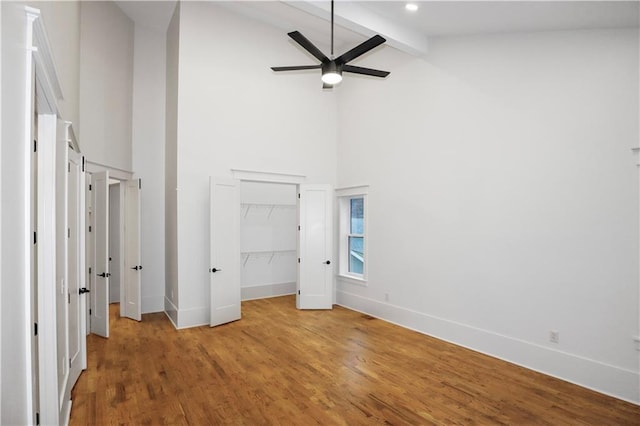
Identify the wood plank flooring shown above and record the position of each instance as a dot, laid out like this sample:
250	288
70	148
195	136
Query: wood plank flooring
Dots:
279	365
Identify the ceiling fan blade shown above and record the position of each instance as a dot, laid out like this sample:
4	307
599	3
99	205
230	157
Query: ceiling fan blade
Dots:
365	71
309	47
297	67
360	49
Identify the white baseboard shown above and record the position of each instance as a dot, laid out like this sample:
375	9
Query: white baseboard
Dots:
171	311
65	414
268	290
193	317
595	375
152	304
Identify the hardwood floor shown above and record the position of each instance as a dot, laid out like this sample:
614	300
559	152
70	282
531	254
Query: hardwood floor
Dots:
279	365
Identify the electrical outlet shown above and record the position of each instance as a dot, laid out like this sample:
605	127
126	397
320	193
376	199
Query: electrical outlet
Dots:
554	336
386	297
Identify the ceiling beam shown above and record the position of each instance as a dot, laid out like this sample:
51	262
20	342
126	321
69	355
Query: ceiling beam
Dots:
359	19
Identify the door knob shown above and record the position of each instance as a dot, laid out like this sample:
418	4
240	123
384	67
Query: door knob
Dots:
84	290
328	262
214	270
104	275
135	267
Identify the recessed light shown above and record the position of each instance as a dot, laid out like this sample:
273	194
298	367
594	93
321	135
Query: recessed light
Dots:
412	7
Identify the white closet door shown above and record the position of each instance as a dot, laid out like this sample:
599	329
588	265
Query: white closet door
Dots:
100	292
224	251
76	296
315	276
133	267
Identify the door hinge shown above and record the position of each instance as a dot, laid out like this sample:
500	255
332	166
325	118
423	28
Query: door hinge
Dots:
89	269
90	187
69	167
139	183
298	292
35	238
69	297
37	418
35	145
298	260
298	196
35	328
69	363
83	164
68	232
298	227
89	311
89	228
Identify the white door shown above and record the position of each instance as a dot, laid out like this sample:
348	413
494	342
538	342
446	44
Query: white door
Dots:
100	291
76	279
133	265
315	249
224	251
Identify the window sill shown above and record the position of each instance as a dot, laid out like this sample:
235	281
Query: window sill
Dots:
352	280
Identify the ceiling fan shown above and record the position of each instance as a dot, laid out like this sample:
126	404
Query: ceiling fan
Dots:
332	69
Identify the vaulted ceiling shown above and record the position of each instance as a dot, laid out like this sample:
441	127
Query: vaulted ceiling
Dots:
410	31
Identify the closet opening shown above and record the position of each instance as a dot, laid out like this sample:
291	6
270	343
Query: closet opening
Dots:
268	239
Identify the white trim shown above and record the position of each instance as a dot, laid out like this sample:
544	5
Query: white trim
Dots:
27	320
348	191
152	304
604	378
193	317
342	277
114	172
344	195
46	266
171	311
45	57
253	175
265	291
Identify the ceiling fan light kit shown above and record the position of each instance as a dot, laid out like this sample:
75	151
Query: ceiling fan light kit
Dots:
332	69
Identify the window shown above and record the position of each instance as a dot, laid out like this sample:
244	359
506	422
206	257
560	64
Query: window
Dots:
356	235
353	229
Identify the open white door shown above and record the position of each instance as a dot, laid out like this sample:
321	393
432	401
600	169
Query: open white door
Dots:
76	288
132	266
224	252
315	247
100	291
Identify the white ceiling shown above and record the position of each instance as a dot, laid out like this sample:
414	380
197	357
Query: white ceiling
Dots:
357	20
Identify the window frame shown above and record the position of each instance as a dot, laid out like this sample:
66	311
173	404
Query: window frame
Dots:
345	195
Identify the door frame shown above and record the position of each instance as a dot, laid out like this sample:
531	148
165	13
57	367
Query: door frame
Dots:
292	179
122	175
42	93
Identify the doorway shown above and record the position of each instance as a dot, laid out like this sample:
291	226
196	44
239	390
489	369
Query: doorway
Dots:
268	239
230	251
115	240
113	247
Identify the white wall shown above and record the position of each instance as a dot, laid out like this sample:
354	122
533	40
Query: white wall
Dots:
234	112
171	168
106	83
148	145
62	20
504	197
15	312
